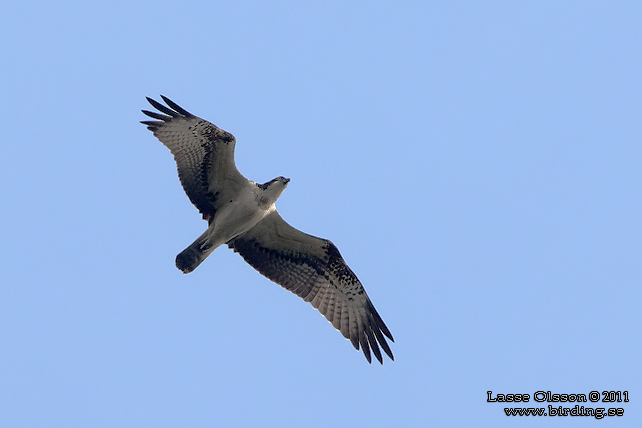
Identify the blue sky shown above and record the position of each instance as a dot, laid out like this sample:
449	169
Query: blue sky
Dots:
477	163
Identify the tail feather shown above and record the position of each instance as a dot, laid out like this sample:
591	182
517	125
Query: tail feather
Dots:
192	256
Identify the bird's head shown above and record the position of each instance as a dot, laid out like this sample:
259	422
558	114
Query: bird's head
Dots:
273	189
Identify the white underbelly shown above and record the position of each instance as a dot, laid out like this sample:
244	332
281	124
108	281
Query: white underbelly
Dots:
236	218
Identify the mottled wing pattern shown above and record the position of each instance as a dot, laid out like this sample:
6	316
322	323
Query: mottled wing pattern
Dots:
204	154
313	269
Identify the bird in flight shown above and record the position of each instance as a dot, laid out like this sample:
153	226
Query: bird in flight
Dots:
241	214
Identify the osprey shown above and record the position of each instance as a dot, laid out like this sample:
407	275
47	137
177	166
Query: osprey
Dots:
241	214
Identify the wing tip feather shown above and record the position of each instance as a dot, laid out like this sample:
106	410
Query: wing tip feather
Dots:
176	107
172	109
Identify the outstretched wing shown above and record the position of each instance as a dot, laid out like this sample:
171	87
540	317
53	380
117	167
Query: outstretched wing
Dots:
204	155
313	269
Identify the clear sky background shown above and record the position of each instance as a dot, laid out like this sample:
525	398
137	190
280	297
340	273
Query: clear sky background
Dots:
478	164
